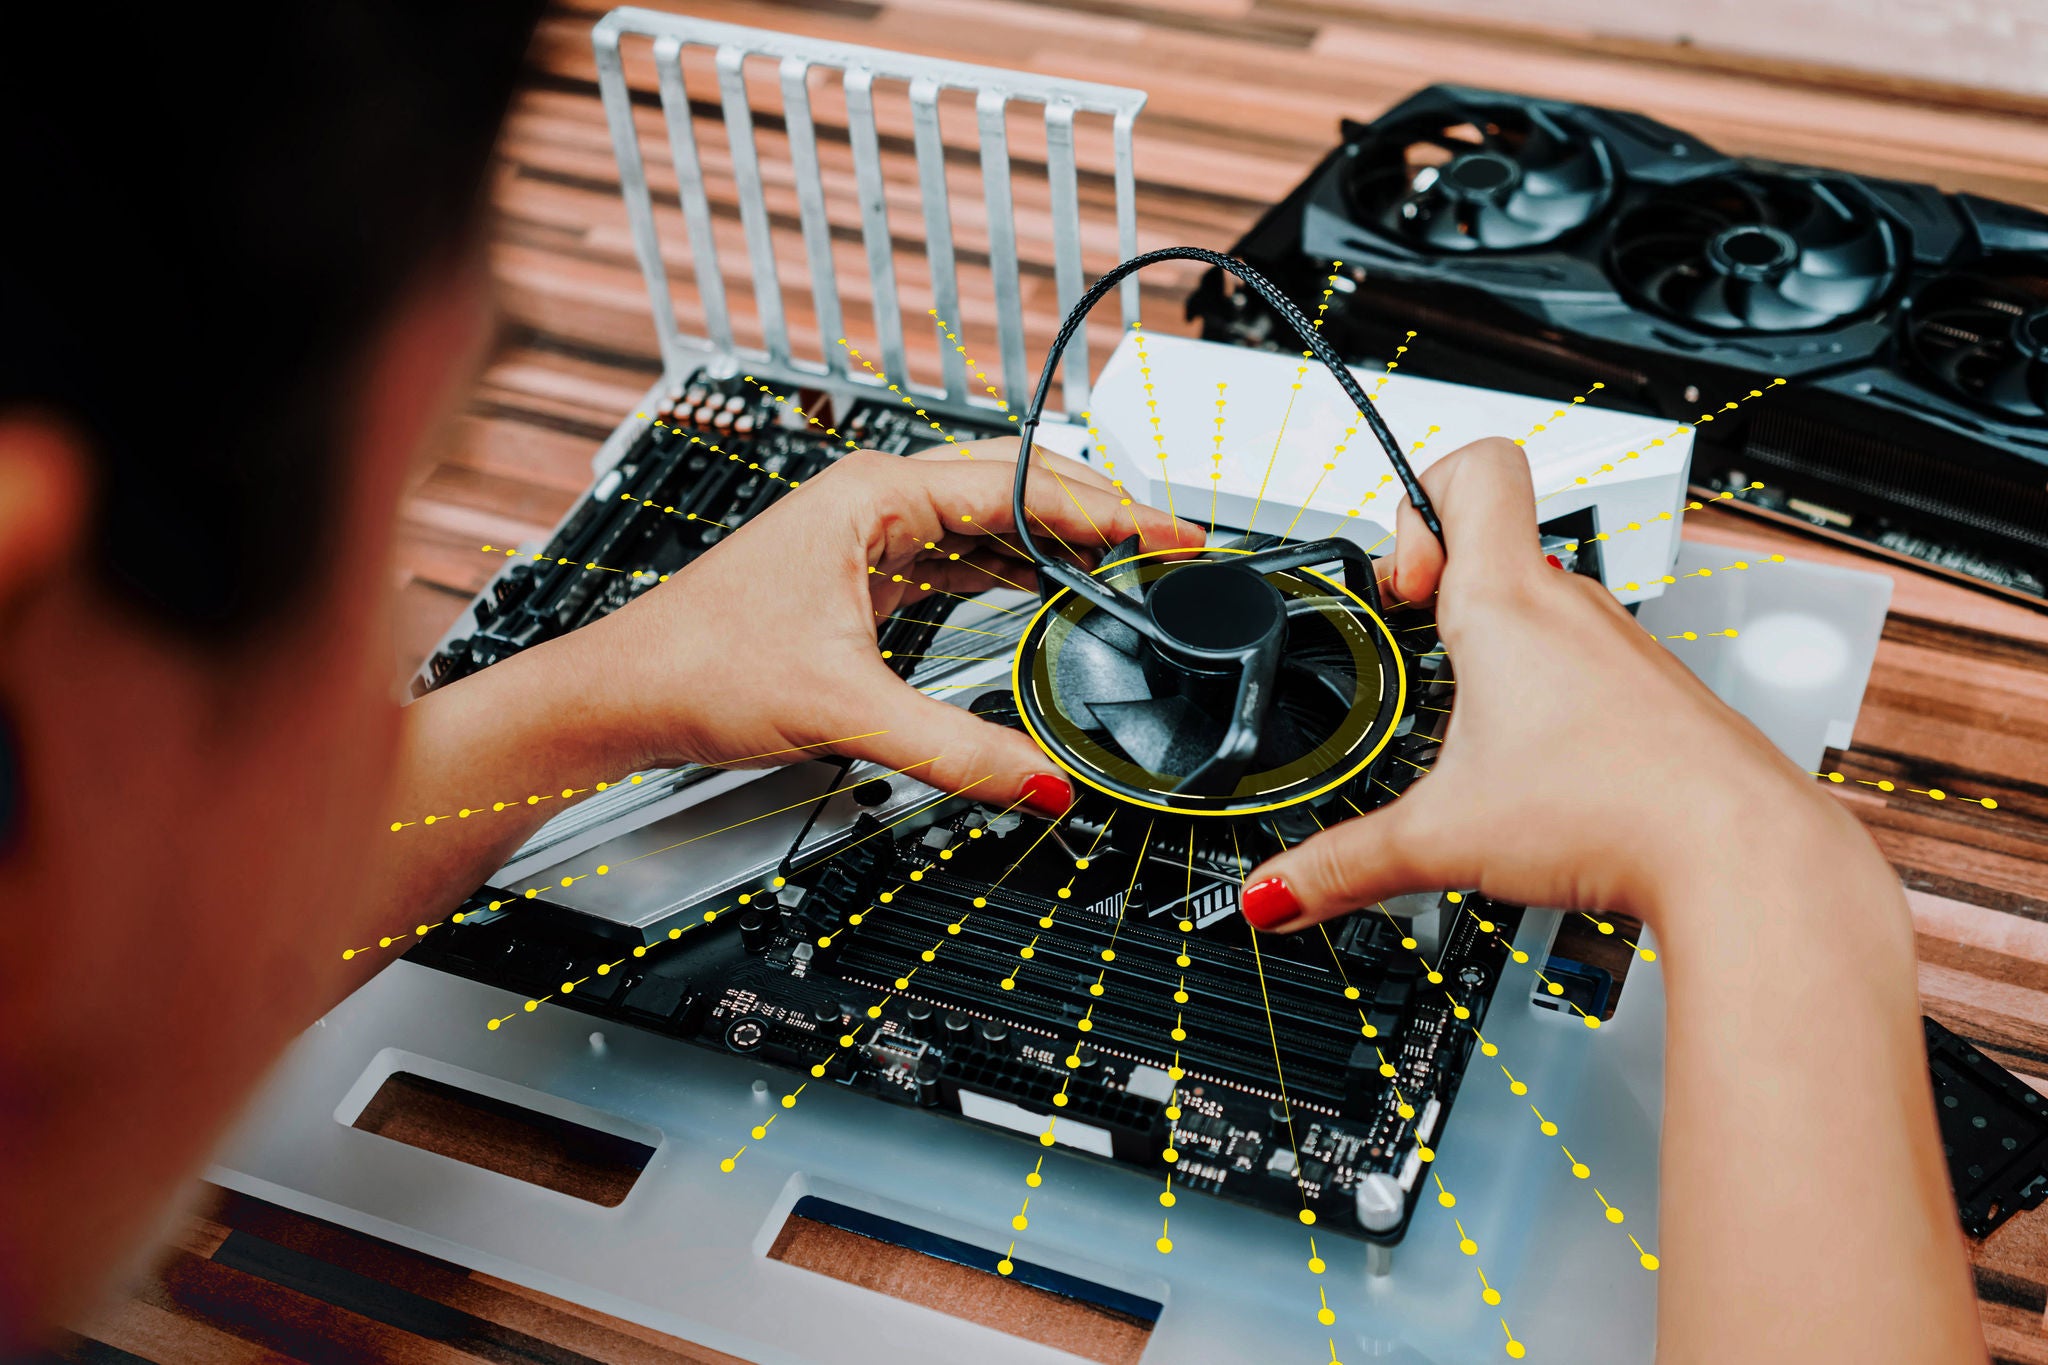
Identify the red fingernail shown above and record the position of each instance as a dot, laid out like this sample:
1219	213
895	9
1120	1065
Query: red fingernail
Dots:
1268	904
1047	794
1554	561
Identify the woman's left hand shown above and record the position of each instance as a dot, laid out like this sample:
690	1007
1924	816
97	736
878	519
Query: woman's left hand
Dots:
767	642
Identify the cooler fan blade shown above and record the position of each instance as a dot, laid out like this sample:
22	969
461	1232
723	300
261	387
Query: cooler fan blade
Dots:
1770	308
1170	736
2019	390
1499	229
1829	297
1093	671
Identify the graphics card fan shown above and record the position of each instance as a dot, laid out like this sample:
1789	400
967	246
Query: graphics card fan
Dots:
1755	253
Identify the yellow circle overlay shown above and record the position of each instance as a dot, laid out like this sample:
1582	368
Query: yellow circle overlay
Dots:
1400	672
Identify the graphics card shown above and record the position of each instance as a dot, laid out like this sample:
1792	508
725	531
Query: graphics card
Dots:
1542	246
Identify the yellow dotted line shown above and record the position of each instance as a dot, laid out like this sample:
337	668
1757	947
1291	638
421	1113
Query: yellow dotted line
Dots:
1343	445
1216	457
1681	427
1560	413
960	348
1931	793
635	780
751	464
1487	1293
790	403
603	968
1152	405
1385	479
686	516
591	567
1573	545
908	401
1737	567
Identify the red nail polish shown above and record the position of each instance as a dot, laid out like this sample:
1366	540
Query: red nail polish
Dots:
1047	794
1554	561
1268	904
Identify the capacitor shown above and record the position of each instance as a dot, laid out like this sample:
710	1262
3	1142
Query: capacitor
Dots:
756	932
1380	1202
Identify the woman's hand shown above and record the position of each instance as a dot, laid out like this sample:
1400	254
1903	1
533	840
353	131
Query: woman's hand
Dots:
1584	767
768	641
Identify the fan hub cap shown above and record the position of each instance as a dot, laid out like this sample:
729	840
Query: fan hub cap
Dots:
1480	175
2030	335
1752	251
1210	611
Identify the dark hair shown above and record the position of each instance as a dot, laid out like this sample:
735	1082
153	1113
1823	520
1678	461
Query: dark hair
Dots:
208	220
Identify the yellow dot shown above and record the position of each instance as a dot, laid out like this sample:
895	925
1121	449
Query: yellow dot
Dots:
1034	1180
1387	1070
497	805
1170	1155
1166	1199
568	881
640	951
1187	926
1174	1073
1549	1128
1165	1245
348	954
1027	951
1005	1266
1436	978
383	943
1180	1035
532	891
1469	1247
789	1101
1325	1316
1938	794
1316	1265
1447	1199
981	902
1425	1153
726	1165
1081	863
674	933
1408	943
1369	1031
1307	1216
1183	960
1581	1169
1492	1296
636	779
457	918
1489	1049
1613	1214
1649	1261
1516	1350
760	1133
1406	1111
1045	1139
952	928
1486	926
1109	954
532	1005
1592	1022
874	1011
1987	803
494	1025
1521	956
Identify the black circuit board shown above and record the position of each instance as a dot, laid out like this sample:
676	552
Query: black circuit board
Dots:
714	454
951	988
977	963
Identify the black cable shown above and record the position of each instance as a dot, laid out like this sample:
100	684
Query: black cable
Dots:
1264	288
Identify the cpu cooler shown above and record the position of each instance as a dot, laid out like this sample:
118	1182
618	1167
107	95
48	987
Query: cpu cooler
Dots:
1539	245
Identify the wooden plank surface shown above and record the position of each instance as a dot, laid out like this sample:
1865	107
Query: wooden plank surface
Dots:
1244	97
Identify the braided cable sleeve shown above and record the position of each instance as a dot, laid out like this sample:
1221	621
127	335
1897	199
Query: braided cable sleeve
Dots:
1265	289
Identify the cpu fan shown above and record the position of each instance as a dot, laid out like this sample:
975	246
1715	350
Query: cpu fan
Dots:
1492	178
1756	253
1234	680
1242	680
1985	339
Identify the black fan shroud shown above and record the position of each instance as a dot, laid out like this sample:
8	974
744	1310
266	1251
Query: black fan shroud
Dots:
1756	253
1493	178
1091	695
1984	339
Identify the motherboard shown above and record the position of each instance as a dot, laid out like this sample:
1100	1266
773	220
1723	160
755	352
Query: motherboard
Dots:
1084	982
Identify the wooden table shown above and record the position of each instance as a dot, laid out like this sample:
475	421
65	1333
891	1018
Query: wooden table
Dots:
1245	95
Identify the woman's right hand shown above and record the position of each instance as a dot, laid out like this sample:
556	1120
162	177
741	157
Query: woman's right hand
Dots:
1584	767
